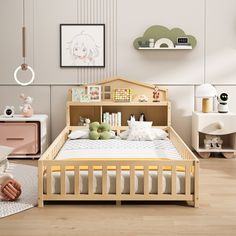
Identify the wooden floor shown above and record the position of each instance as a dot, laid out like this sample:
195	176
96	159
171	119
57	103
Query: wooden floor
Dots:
216	215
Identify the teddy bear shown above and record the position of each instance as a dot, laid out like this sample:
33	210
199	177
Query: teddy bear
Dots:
26	109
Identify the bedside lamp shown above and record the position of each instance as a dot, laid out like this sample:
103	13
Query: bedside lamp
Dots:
206	91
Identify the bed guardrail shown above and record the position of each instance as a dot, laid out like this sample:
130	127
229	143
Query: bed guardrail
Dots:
191	169
47	162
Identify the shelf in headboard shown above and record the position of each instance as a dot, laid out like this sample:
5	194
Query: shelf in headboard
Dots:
158	112
162	103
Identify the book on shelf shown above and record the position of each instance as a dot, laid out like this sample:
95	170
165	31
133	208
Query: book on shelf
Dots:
113	119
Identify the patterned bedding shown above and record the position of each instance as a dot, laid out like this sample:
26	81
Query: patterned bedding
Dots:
117	148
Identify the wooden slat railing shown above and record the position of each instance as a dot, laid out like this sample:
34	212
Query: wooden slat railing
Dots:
77	180
190	162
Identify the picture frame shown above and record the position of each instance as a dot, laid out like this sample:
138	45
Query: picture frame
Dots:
82	45
77	93
94	93
122	95
84	98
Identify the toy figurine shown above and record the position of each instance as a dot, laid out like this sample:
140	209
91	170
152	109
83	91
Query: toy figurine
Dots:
156	94
223	106
87	121
213	142
84	121
143	98
26	109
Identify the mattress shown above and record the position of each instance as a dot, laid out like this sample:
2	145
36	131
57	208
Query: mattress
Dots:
117	148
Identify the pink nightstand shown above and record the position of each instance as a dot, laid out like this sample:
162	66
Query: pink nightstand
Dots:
28	136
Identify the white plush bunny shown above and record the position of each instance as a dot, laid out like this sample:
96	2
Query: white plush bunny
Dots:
26	109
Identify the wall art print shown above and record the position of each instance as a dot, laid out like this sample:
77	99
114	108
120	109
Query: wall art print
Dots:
82	45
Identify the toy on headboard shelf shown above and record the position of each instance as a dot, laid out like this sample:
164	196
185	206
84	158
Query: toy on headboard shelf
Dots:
26	109
223	106
83	121
156	94
143	98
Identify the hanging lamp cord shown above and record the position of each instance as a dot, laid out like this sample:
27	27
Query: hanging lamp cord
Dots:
24	65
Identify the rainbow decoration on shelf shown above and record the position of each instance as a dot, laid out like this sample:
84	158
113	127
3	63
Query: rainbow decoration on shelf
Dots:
122	95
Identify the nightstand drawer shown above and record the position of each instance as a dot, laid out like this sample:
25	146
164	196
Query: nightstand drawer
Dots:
215	123
23	137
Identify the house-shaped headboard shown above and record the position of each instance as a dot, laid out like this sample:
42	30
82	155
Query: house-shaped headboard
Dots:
158	112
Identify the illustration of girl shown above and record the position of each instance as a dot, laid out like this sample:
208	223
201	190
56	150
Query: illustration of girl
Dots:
83	50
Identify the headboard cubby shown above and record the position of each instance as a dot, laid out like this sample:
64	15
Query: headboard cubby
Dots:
158	112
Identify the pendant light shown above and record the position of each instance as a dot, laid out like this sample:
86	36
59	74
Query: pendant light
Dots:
24	66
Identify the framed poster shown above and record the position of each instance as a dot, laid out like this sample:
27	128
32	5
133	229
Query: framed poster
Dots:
82	45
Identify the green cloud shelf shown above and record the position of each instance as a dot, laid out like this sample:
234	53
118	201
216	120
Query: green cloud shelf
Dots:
160	37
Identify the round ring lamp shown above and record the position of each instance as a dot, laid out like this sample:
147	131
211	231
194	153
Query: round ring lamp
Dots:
206	91
24	66
26	83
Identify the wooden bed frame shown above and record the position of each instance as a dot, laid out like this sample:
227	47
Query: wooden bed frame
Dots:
189	161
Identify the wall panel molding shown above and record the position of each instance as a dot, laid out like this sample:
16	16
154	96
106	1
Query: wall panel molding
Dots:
100	12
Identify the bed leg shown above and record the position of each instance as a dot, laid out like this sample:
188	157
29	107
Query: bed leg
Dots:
118	203
40	184
40	203
196	203
196	185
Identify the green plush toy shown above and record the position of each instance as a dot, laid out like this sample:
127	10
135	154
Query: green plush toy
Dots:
99	131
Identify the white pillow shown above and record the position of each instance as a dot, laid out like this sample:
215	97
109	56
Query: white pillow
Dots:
159	133
136	125
79	134
124	134
84	134
140	131
140	135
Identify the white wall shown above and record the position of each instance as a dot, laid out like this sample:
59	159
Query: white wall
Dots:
212	22
166	67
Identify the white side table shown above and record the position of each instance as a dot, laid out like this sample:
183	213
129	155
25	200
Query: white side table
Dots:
217	125
28	135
